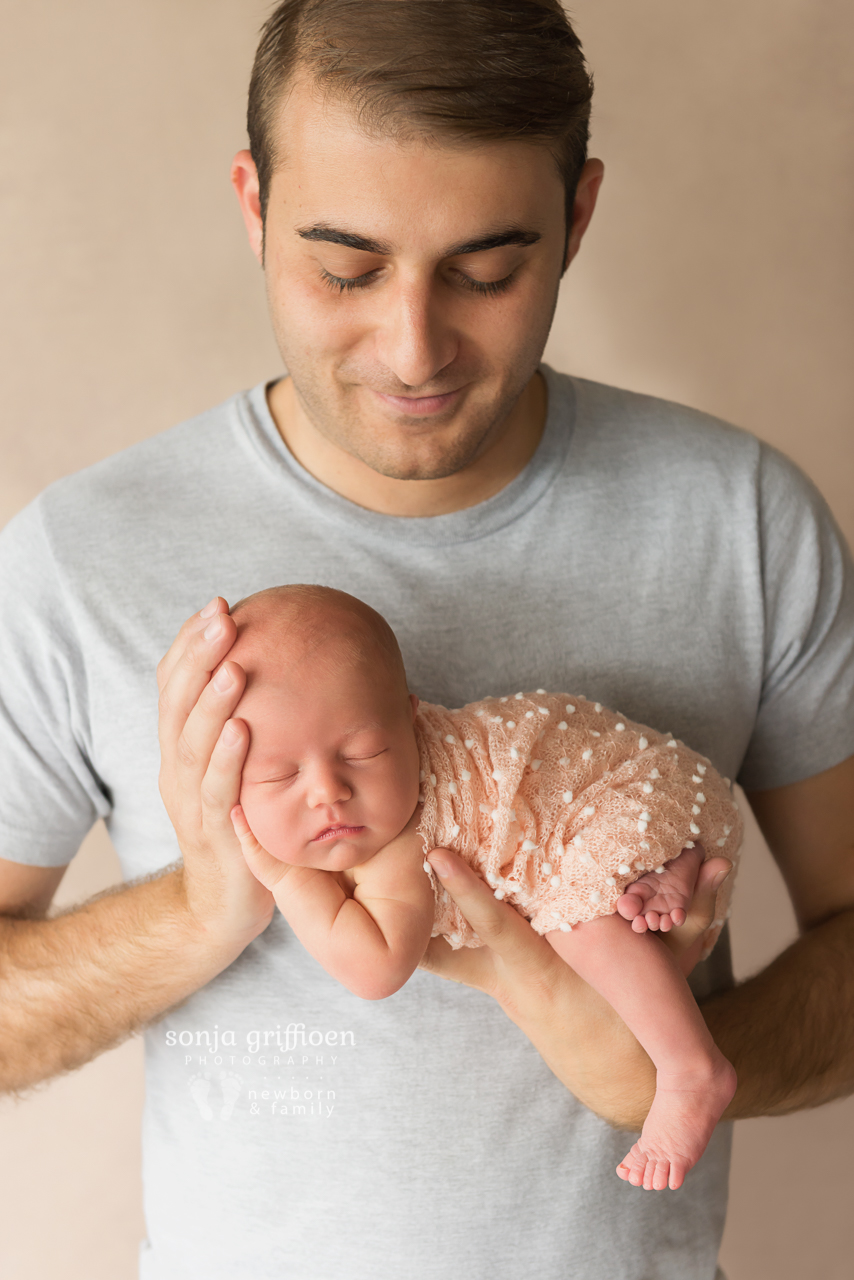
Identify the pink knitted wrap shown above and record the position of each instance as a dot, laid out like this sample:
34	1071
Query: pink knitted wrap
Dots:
560	804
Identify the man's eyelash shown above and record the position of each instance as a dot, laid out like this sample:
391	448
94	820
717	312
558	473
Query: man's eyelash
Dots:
489	287
342	284
348	283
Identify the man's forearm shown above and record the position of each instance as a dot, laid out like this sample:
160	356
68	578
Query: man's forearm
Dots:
789	1031
76	985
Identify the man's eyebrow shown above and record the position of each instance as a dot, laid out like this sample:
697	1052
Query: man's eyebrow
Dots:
493	240
350	241
496	240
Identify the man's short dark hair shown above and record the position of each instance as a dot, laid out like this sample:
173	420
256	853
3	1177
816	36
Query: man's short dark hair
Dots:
475	70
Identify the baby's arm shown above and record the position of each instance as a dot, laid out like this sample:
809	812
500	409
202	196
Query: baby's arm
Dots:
371	942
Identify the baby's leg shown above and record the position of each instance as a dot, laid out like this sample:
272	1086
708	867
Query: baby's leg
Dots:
694	1082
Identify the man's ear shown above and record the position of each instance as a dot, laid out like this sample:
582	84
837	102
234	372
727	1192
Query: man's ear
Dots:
586	195
244	179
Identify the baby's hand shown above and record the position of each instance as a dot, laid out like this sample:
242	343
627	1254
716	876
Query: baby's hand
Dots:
371	941
269	871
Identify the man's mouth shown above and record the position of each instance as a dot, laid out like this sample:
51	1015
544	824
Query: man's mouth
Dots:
339	831
421	406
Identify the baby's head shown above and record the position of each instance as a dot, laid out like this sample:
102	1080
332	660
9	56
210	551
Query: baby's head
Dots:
331	774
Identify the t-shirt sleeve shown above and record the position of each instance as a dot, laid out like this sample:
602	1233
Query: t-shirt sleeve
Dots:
805	721
50	796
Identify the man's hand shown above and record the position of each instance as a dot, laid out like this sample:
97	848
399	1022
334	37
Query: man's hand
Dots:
573	1028
202	753
78	984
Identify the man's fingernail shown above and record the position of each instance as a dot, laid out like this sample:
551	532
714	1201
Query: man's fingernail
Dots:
214	630
441	866
719	878
230	734
222	680
209	609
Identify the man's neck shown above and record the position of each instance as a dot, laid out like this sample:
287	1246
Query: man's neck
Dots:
353	479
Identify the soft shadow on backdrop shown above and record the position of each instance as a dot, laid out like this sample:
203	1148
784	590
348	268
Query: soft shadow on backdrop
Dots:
717	273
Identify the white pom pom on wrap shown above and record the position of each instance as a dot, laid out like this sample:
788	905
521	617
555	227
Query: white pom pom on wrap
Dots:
634	793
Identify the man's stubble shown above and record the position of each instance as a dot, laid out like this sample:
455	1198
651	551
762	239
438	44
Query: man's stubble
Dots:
332	412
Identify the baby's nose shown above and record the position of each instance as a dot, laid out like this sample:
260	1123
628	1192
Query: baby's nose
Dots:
327	786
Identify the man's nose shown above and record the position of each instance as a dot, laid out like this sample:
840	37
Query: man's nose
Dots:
417	340
326	785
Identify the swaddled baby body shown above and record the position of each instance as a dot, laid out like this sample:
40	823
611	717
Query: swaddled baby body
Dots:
562	805
592	826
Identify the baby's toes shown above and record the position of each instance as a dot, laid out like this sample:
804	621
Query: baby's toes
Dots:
659	1177
653	919
629	906
632	1167
678	916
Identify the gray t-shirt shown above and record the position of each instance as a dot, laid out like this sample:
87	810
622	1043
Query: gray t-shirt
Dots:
670	566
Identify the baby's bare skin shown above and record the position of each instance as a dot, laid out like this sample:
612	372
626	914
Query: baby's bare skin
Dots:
660	899
330	784
694	1081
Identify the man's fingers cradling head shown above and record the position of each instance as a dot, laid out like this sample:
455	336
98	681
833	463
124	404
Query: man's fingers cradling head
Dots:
198	623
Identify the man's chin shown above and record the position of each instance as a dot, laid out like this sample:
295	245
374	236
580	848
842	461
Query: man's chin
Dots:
440	471
411	462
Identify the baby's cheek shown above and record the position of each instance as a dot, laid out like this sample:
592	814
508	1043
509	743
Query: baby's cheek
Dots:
267	822
398	795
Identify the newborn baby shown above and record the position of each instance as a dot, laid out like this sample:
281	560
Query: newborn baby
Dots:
575	816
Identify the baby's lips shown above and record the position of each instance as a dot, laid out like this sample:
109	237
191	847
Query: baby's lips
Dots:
339	828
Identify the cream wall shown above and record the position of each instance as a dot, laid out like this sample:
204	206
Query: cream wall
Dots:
717	272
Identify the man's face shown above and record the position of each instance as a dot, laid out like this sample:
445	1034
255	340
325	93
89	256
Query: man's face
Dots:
411	285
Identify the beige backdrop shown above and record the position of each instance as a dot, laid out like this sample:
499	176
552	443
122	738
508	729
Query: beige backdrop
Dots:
717	272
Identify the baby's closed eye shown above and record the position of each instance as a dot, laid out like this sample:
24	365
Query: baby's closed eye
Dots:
362	758
280	780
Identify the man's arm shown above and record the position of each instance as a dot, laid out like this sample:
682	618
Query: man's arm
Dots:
74	986
79	984
789	1031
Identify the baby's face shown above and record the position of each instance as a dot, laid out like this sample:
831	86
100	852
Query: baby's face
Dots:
331	775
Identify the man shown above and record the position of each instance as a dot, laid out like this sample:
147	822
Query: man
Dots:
517	528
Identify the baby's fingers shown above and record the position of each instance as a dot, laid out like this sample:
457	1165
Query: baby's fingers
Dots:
269	871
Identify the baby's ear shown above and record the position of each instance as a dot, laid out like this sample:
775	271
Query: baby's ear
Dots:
413	702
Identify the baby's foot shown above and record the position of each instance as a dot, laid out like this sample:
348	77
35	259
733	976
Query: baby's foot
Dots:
681	1119
661	900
